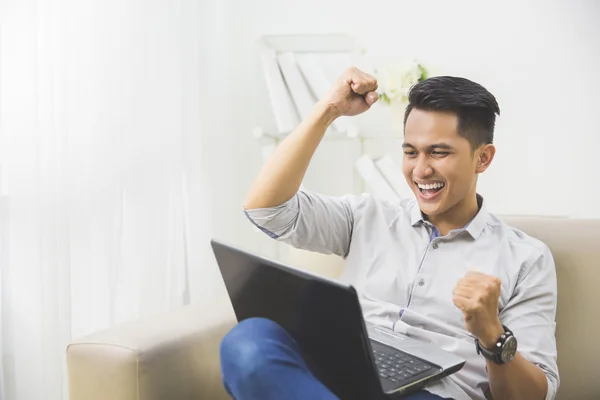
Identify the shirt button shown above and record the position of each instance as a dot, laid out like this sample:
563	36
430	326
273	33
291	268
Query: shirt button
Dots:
421	282
435	246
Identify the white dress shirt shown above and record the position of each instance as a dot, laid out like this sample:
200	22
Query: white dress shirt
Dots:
404	273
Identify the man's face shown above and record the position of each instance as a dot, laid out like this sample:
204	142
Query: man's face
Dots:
438	163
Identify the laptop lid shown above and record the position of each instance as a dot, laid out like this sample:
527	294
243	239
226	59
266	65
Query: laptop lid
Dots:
322	315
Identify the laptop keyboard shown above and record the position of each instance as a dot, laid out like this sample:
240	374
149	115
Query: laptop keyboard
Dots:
397	366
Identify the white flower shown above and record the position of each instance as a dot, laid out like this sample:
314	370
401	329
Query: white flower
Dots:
395	81
389	80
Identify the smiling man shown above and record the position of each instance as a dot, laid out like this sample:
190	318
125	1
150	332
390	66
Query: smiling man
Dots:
440	267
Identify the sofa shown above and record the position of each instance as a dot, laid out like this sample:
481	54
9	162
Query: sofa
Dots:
175	356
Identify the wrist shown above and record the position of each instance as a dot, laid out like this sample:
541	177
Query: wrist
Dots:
490	338
327	112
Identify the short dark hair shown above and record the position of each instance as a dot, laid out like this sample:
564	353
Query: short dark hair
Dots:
475	107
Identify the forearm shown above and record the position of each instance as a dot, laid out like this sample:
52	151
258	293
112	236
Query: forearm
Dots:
519	379
282	174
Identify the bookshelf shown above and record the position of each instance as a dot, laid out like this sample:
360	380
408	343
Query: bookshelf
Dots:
298	70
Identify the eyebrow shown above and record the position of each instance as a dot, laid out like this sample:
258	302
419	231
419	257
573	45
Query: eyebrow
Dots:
444	146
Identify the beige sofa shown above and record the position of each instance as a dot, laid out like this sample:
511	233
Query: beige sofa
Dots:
175	356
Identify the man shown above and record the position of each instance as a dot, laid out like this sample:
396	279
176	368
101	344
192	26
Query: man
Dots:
440	268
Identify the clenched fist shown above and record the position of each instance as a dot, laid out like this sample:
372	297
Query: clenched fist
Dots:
476	295
353	93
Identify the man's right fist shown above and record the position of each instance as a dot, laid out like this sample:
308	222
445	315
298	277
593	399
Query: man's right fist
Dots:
353	93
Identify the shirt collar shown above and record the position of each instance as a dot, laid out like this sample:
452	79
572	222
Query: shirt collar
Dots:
474	227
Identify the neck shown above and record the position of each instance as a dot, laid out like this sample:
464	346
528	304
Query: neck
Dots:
456	217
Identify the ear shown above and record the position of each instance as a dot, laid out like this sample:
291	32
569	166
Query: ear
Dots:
484	157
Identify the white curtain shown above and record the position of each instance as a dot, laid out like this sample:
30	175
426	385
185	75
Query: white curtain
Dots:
105	208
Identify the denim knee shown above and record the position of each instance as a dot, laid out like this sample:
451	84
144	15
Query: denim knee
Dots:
242	351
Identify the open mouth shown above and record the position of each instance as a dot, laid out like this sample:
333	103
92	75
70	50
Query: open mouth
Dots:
430	190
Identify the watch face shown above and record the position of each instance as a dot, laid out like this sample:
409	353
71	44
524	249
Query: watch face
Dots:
509	349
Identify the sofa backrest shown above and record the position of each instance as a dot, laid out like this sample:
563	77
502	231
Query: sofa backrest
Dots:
575	245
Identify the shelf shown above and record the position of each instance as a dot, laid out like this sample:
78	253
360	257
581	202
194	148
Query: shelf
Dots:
354	134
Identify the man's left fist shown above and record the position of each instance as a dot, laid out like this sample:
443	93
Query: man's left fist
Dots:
476	295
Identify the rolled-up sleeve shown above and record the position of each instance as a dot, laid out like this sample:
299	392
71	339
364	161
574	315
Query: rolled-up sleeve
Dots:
531	315
310	221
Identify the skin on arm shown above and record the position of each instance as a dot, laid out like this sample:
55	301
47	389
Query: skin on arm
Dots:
282	174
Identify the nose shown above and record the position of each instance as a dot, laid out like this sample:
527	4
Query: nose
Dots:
422	168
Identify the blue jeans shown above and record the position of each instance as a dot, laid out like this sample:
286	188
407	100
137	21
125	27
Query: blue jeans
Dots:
261	361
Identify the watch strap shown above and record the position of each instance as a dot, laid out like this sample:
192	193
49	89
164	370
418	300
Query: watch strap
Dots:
490	355
494	355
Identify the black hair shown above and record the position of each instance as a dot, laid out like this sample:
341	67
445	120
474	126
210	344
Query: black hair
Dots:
475	107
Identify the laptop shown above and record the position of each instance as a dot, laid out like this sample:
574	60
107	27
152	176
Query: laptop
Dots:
353	358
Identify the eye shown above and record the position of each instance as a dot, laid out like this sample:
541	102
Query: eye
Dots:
410	153
439	153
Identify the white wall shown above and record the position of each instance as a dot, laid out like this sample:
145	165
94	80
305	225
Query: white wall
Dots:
540	59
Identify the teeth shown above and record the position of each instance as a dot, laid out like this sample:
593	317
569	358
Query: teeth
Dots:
431	186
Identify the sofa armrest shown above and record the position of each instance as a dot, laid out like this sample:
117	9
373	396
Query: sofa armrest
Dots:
173	356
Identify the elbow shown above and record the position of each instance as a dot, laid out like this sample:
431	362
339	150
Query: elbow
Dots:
264	201
255	199
250	202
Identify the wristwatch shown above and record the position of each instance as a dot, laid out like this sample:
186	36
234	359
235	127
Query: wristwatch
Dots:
504	350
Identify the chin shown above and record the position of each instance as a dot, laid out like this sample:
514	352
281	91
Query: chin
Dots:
429	209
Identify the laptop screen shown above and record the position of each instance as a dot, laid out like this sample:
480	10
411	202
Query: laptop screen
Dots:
323	316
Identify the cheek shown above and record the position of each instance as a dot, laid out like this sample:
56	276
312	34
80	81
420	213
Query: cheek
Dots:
407	169
460	176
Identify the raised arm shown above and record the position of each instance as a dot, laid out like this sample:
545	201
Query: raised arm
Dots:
282	174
